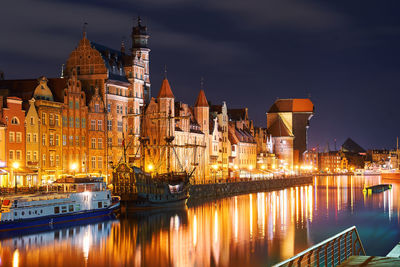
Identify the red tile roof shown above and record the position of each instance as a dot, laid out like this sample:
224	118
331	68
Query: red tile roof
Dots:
201	100
165	91
292	105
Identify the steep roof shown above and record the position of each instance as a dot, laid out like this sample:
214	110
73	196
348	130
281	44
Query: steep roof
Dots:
165	91
201	100
350	146
238	114
25	88
279	129
292	105
114	61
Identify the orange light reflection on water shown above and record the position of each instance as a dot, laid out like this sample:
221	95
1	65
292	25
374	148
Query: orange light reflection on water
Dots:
253	229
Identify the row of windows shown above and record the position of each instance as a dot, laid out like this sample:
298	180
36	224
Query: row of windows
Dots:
99	125
15	137
77	123
54	119
99	143
32	156
15	154
52	163
71	104
71	140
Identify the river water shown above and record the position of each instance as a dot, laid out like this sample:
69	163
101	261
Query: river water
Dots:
256	229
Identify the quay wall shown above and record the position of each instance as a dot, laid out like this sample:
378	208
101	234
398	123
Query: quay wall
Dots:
219	190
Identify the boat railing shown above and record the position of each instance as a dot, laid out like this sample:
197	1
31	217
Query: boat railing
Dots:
330	252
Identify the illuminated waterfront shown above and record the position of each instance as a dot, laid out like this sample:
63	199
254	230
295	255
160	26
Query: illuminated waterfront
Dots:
255	229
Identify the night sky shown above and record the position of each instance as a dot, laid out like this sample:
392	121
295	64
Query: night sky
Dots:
344	54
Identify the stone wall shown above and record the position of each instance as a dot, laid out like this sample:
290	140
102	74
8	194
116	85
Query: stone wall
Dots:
206	191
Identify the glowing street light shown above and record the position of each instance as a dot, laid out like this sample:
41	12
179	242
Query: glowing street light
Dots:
73	167
15	166
150	167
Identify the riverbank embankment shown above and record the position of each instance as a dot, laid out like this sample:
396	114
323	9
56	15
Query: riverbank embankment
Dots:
220	190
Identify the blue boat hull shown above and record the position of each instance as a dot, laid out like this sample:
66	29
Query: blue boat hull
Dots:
50	221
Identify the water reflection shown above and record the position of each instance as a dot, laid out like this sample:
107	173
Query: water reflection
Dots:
255	229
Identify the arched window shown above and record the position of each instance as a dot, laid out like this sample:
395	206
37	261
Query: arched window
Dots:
15	121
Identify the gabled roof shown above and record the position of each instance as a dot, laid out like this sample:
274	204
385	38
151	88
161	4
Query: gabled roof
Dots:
350	146
292	105
201	100
238	114
279	129
165	91
114	62
25	88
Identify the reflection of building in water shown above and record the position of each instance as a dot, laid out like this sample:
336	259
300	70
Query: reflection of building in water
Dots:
41	247
247	230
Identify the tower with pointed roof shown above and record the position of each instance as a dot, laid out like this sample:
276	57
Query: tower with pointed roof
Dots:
166	107
202	112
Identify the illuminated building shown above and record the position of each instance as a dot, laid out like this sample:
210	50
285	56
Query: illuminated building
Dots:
220	140
123	82
288	121
13	117
50	131
266	159
185	124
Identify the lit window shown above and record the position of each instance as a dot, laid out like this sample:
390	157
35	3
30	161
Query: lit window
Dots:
11	136
100	143
14	121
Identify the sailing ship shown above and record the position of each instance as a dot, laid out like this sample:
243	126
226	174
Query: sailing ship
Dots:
162	187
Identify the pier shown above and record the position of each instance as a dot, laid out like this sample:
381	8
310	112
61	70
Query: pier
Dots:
244	186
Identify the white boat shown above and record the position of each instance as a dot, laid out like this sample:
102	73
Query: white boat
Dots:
77	199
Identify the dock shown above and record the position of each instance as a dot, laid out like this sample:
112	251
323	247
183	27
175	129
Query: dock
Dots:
370	261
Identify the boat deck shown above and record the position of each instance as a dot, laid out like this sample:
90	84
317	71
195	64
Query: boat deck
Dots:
370	261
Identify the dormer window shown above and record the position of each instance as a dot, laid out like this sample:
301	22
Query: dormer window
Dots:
14	121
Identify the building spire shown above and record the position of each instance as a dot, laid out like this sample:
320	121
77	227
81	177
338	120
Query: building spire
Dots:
139	21
202	83
165	91
84	29
201	100
123	45
165	71
62	71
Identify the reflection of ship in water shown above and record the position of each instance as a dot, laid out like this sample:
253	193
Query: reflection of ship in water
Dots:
81	234
153	221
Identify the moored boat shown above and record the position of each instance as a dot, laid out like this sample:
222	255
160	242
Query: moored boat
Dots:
168	190
78	199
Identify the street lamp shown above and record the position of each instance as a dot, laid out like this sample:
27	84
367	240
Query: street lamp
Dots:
74	166
15	166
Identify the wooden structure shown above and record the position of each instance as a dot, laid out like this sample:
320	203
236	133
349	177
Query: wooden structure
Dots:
124	182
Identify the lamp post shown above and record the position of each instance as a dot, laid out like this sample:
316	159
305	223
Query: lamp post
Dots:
73	168
15	166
